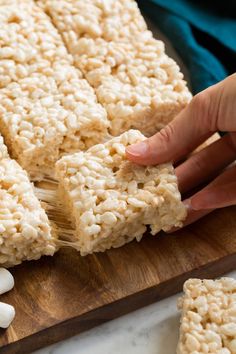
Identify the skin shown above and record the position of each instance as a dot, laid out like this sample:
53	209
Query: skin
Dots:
212	110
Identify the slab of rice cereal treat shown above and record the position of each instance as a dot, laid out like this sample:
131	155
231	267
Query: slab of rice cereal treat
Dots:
111	201
208	322
25	232
40	124
29	43
46	108
137	83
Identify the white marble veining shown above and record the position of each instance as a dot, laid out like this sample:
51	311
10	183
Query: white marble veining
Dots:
151	330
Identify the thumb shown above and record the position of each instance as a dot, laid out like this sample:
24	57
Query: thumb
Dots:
156	149
220	193
187	131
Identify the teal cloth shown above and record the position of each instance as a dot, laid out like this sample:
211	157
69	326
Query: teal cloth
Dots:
202	31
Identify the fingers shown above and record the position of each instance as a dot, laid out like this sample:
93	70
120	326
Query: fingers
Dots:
193	215
182	135
219	193
207	163
209	111
227	107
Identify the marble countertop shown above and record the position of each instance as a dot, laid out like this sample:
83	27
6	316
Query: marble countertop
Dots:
150	330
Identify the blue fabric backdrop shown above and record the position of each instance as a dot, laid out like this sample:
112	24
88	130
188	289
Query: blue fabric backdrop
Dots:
202	32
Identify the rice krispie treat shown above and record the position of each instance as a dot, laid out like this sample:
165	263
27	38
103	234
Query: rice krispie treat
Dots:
112	201
25	233
40	124
208	323
137	83
46	108
29	43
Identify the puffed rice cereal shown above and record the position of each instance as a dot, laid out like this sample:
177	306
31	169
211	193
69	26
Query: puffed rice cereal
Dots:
137	83
46	108
208	323
25	232
112	201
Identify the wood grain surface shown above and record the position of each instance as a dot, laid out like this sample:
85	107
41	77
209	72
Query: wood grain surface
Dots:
57	297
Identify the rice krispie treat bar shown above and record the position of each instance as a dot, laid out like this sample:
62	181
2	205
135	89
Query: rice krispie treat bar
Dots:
25	233
208	323
111	201
29	43
137	83
46	108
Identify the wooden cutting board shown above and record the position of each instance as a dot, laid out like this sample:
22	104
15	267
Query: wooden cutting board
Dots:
57	297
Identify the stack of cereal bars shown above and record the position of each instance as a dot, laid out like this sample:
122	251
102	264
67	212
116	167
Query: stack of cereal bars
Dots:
80	81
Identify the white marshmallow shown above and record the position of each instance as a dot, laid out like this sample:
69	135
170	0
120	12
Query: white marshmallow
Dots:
6	281
7	314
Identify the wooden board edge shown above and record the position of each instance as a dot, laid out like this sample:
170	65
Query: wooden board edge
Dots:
118	308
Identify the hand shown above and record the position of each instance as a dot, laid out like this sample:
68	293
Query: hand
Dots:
212	110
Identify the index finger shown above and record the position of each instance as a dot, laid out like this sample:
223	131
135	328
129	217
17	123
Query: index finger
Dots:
188	130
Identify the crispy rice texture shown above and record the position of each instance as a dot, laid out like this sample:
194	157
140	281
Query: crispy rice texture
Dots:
208	323
137	83
46	108
25	232
112	201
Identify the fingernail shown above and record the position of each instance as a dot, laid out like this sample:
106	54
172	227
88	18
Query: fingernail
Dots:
138	149
198	203
188	203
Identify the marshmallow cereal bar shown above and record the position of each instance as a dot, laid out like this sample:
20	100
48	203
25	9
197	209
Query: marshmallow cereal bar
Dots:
112	201
25	232
46	108
208	323
137	83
